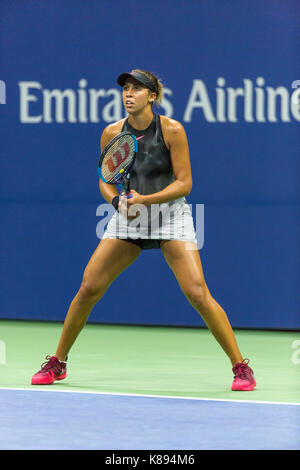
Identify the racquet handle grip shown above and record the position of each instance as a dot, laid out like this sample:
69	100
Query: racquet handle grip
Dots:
128	195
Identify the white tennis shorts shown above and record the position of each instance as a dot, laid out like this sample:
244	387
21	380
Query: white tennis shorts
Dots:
168	221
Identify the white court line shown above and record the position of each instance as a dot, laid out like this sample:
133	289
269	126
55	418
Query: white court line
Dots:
152	396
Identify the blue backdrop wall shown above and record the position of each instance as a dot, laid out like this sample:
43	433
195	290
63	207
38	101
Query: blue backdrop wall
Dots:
232	77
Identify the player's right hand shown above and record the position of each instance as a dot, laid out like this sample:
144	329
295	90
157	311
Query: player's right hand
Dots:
124	208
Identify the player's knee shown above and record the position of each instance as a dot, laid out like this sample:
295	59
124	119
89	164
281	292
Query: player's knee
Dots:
198	295
90	292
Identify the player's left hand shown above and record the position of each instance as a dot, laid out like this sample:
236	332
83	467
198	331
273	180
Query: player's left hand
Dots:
135	198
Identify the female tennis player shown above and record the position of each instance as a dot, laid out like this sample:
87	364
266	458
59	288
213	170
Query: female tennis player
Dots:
161	176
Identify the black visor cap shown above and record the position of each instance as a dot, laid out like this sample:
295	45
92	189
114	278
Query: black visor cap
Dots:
140	77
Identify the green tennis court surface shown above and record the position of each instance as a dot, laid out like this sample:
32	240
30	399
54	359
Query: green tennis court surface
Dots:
179	362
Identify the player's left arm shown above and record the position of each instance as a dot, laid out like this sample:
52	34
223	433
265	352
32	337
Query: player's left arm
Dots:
176	141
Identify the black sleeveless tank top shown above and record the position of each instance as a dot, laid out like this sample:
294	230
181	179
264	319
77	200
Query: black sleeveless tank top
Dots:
152	170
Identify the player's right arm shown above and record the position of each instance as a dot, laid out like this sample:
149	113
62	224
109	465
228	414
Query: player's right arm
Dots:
109	191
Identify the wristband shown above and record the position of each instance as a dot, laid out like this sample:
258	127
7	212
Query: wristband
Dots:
115	202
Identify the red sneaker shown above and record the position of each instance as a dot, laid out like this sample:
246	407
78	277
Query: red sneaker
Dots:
243	377
52	369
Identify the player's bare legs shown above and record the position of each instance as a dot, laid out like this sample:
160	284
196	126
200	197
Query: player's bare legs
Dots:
187	268
110	258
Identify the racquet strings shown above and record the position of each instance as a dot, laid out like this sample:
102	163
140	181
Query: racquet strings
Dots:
119	156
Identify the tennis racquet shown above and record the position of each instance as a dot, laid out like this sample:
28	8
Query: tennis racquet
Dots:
117	160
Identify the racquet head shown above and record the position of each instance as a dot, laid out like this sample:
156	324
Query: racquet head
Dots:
117	159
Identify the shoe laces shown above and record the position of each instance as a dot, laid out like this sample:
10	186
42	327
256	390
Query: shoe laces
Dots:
242	370
51	363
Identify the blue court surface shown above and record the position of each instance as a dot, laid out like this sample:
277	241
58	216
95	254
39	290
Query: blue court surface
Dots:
60	420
